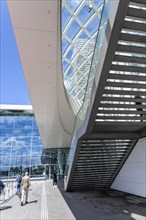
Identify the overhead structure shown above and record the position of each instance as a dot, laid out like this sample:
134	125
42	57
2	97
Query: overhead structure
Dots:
39	45
116	118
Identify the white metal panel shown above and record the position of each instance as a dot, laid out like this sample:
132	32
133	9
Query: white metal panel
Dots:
132	177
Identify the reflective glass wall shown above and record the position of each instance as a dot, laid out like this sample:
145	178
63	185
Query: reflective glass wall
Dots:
21	148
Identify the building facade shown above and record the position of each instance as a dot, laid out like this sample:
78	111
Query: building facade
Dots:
21	147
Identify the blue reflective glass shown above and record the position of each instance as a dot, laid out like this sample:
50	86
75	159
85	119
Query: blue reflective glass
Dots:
8	142
73	4
70	86
65	45
36	161
34	124
26	150
36	132
16	151
5	151
84	15
98	3
6	122
36	150
69	72
23	132
65	17
23	122
93	26
36	141
4	169
70	53
73	30
16	161
4	161
21	142
6	132
26	161
83	36
65	65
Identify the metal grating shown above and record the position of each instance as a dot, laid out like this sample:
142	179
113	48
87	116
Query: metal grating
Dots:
98	161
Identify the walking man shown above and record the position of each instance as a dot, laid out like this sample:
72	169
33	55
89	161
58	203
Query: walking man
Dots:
25	184
18	180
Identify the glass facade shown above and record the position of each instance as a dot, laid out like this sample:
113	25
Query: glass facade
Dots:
21	148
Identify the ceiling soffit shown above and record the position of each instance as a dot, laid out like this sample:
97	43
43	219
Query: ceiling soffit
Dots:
36	25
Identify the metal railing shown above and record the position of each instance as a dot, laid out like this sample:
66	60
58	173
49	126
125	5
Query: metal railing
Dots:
8	191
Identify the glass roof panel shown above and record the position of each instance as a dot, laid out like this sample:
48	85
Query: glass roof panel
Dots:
65	44
92	27
83	15
98	3
73	30
80	23
73	4
65	65
66	16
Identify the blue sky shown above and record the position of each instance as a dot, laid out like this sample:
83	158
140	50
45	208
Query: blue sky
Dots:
13	89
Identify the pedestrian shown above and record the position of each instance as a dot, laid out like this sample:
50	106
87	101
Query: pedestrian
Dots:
54	178
18	180
25	184
2	186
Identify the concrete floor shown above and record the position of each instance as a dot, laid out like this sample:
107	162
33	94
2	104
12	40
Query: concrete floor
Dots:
48	203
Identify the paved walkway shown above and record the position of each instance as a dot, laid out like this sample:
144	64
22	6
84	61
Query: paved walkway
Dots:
48	203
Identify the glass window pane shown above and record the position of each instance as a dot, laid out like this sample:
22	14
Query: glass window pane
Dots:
23	132
36	150
73	30
16	161
36	132
69	72
4	161
65	45
73	4
4	171
26	151
37	141
21	142
34	123
26	161
6	122
98	3
16	151
65	17
6	132
84	15
5	151
65	65
93	26
23	122
6	142
37	170
36	161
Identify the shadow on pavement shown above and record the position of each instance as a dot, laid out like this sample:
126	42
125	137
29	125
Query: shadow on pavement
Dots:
107	205
34	201
5	207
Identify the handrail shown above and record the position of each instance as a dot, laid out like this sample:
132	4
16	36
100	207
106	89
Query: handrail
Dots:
9	191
